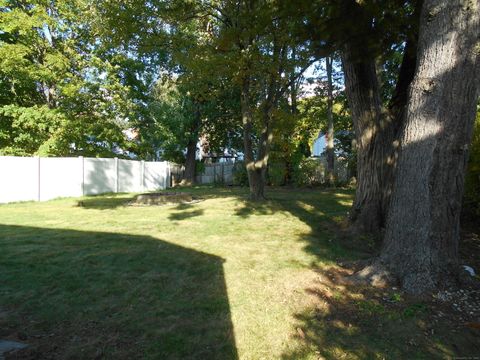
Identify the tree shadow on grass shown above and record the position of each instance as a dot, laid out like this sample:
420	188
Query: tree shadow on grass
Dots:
185	214
356	322
345	320
75	294
325	212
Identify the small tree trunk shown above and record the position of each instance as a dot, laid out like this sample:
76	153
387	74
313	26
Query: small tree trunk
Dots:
294	111
330	132
190	163
256	180
257	167
422	233
293	87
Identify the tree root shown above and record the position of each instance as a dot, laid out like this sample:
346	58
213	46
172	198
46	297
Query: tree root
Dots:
375	274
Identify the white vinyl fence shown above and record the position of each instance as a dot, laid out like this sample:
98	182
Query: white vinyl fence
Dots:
40	179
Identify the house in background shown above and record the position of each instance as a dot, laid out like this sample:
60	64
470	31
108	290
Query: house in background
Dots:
227	155
319	145
341	136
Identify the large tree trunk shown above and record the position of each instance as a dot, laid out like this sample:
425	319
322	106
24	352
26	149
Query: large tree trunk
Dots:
374	139
256	167
422	233
377	129
330	132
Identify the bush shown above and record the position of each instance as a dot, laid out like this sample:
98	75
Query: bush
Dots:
199	167
309	172
276	173
240	176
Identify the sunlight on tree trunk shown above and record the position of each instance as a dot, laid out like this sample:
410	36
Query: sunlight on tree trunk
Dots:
422	233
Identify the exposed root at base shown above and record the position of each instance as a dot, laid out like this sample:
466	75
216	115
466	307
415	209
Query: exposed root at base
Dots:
373	273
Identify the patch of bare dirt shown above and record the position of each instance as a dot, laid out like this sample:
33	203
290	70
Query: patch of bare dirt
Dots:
163	198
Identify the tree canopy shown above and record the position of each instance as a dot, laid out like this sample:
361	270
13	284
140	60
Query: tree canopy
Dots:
148	79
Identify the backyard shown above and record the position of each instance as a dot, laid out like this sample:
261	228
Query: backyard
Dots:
219	278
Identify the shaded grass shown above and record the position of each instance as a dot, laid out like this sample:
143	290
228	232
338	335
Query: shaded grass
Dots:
220	278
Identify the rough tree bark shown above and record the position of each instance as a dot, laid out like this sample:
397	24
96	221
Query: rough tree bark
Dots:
422	232
330	132
377	128
374	137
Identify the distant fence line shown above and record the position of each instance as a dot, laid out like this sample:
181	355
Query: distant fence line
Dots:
215	173
221	173
340	169
224	173
45	178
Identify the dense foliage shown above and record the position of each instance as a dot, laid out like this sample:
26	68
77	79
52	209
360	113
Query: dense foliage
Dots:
58	95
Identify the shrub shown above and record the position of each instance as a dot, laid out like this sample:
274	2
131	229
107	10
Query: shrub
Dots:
277	172
240	176
309	172
199	167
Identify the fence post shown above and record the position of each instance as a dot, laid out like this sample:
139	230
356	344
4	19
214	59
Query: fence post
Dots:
82	173
142	175
168	174
38	178
116	174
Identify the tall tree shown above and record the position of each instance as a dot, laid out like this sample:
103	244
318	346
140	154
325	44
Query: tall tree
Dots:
422	233
179	38
265	50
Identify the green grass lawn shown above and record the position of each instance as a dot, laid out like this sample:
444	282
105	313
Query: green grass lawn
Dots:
95	278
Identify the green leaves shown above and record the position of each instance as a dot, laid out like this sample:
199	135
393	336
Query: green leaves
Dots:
57	96
25	129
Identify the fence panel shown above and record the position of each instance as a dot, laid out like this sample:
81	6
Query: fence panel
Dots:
19	178
60	177
228	173
99	176
129	176
155	176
